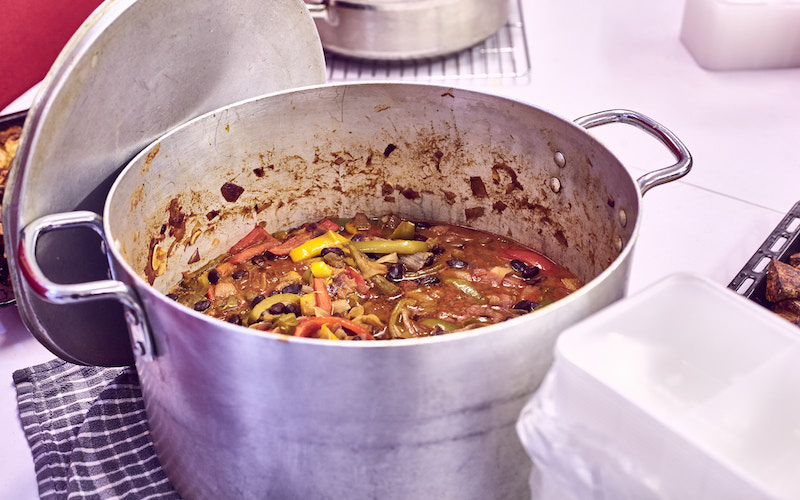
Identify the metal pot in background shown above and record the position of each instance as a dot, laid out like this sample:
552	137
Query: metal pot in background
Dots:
405	29
239	413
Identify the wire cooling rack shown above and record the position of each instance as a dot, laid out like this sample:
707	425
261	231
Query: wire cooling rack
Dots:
503	55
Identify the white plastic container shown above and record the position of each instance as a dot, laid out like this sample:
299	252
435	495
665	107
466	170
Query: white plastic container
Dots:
742	34
685	390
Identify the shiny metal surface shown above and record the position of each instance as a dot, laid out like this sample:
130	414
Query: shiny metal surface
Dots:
236	412
134	70
405	29
667	174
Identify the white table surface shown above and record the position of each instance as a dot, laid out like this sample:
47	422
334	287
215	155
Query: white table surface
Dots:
588	56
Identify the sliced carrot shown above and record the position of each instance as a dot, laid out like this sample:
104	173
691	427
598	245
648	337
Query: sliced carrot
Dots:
322	295
291	242
250	252
328	225
254	237
308	326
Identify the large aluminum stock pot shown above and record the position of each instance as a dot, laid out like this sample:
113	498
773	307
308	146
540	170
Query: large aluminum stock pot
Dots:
242	413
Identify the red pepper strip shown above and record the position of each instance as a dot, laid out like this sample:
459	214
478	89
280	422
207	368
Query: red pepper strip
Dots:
322	295
308	326
254	250
361	285
291	242
529	257
254	237
210	294
328	225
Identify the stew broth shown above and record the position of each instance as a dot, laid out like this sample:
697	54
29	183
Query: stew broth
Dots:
381	278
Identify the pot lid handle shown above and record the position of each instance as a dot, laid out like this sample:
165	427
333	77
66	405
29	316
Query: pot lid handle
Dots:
660	132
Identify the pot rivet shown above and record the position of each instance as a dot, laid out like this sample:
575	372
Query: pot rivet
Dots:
555	184
618	243
623	217
138	347
561	161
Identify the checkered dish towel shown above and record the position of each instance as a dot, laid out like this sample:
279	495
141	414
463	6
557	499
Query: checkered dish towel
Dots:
88	433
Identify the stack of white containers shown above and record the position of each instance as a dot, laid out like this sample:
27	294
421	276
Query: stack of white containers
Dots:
685	390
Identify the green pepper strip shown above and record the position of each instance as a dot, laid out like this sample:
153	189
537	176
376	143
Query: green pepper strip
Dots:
467	289
395	329
438	323
285	298
386	286
381	245
403	231
423	272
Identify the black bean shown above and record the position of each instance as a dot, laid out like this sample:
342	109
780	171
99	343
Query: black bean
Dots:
395	272
278	308
293	309
526	305
294	288
213	276
534	280
530	272
357	337
429	280
172	296
239	274
437	250
269	255
421	224
457	263
518	266
257	260
357	237
256	300
235	319
428	261
202	305
335	250
373	256
274	292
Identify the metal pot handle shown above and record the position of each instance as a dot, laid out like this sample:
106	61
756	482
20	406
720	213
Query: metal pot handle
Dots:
323	9
57	293
660	132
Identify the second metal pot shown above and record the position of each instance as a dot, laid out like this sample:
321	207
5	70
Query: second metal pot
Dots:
405	29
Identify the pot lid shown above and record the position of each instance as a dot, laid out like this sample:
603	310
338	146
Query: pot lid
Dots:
134	70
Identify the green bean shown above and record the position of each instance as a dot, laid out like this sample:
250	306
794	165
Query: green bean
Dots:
423	272
381	245
386	286
441	324
467	289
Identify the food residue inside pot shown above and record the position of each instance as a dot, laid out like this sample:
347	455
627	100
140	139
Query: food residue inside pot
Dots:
366	278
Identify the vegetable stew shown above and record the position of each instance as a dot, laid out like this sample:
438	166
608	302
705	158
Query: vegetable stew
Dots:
373	278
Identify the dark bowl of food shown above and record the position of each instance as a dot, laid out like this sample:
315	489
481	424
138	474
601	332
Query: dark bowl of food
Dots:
10	132
386	268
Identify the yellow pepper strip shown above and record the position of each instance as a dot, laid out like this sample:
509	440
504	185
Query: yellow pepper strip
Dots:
285	298
350	228
308	303
320	269
314	246
326	333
